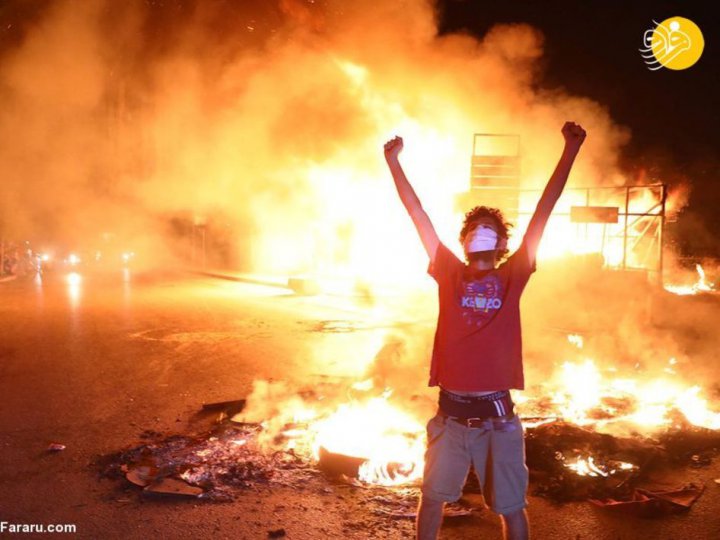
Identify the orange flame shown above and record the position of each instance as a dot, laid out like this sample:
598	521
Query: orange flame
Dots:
379	432
588	467
701	285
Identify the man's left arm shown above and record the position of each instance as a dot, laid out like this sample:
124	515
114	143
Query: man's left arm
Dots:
574	136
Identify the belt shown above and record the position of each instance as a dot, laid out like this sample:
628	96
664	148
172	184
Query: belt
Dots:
495	405
461	398
475	423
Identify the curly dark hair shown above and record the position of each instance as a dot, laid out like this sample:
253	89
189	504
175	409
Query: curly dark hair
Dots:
503	227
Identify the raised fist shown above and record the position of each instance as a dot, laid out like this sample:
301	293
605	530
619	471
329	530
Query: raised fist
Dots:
574	134
393	147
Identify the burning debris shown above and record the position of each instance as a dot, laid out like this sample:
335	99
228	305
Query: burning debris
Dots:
614	414
568	462
211	465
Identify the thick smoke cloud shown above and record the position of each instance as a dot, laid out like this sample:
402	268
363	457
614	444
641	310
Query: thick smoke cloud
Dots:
119	117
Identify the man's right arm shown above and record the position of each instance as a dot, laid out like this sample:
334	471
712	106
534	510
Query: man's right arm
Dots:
410	200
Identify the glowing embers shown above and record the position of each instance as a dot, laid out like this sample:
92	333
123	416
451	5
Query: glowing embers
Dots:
701	285
587	466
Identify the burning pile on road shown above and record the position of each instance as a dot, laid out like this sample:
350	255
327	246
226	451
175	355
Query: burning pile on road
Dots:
584	394
369	439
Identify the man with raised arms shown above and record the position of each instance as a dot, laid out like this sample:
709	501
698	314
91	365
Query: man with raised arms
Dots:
477	353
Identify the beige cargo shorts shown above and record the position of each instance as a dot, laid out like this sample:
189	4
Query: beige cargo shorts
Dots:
496	451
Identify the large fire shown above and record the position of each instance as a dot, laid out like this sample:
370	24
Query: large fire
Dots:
375	426
391	440
584	394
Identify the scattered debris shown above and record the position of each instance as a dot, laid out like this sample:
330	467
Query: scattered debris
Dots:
544	442
566	462
173	486
451	510
700	460
338	326
211	465
350	480
229	408
653	503
338	465
141	475
613	464
55	447
684	442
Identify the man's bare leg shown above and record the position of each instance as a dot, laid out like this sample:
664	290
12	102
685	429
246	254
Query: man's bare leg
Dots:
515	526
429	519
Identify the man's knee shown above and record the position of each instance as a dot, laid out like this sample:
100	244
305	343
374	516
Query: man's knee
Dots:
431	504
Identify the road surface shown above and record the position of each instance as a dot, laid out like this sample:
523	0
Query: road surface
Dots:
92	361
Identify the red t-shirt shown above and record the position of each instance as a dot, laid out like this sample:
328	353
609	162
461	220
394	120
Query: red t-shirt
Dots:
478	342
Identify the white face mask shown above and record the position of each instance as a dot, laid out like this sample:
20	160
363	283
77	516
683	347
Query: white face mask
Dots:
481	239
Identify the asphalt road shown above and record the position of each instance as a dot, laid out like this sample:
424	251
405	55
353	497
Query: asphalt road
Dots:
92	363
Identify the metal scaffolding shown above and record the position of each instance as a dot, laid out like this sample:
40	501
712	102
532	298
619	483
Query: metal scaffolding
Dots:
625	224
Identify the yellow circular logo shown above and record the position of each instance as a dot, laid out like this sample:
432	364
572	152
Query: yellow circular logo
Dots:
675	43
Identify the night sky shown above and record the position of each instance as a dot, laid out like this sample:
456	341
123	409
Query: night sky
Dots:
591	49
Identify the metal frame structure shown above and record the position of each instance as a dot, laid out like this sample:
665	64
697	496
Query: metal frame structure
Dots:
641	229
495	167
496	176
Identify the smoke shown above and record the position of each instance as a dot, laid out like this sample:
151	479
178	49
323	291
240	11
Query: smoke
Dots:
263	120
